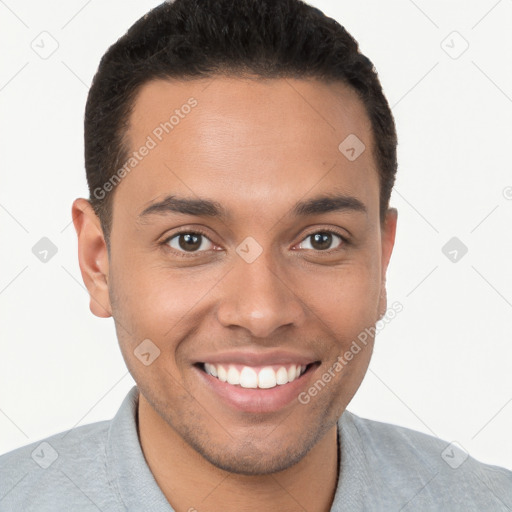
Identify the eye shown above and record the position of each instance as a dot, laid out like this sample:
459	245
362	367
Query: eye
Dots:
189	241
322	240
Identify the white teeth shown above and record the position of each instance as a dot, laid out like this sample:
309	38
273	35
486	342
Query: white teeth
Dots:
267	378
282	376
233	376
248	378
221	373
210	368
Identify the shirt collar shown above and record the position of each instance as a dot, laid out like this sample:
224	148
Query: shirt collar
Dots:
127	468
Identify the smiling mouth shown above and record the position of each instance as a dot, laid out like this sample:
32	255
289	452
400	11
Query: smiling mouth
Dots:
250	377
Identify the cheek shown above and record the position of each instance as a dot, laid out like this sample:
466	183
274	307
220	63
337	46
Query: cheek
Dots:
347	298
163	305
154	294
157	302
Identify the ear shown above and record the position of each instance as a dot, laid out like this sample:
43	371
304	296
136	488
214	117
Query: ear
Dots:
92	256
387	244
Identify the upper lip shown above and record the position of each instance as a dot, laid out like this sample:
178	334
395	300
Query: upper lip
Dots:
258	358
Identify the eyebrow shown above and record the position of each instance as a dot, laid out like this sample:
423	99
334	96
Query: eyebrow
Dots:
208	208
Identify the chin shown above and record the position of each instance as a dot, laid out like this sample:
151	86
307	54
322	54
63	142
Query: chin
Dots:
252	462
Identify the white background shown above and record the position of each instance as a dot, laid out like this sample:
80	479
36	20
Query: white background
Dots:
442	366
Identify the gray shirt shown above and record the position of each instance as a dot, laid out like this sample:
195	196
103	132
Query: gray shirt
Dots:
383	468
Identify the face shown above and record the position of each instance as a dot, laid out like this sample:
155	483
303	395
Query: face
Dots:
245	247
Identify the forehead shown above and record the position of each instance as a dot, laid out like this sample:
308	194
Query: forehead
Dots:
249	139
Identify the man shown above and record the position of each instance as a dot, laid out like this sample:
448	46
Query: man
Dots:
240	158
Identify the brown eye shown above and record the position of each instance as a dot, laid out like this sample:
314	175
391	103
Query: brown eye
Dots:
322	240
188	242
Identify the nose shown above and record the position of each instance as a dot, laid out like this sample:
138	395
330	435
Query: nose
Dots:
260	297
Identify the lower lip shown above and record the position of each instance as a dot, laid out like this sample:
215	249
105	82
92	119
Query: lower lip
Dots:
256	400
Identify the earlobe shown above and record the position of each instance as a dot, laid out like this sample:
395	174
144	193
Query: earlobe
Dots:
388	242
92	256
388	238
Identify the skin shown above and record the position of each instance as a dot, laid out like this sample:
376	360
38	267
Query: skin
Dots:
256	147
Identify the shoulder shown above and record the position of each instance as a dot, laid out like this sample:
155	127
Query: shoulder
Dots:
436	470
51	473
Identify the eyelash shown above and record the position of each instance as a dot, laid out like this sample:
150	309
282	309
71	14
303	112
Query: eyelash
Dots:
198	231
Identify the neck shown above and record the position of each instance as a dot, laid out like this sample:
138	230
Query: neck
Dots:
190	482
